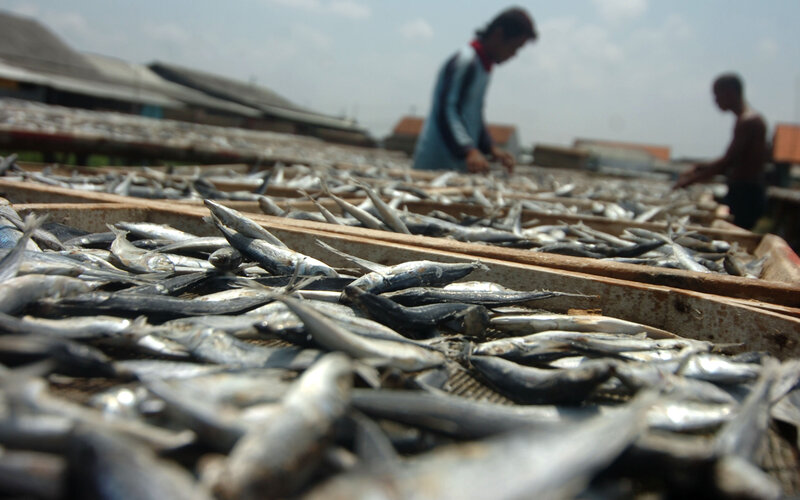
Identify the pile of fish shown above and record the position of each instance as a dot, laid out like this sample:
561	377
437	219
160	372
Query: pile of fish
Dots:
676	247
679	248
109	127
149	183
147	362
182	183
547	191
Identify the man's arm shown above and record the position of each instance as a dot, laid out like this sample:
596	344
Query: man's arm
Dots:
485	143
458	75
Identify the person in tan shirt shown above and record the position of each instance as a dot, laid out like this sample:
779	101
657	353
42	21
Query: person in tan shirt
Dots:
744	161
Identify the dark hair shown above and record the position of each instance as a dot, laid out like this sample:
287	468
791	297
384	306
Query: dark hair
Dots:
514	22
730	81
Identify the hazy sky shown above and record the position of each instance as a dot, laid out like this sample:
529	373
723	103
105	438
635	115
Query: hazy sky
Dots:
632	70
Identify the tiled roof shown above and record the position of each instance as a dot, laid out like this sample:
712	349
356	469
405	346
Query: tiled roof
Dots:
411	126
658	152
408	126
786	143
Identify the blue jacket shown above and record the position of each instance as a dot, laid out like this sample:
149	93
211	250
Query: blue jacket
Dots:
455	123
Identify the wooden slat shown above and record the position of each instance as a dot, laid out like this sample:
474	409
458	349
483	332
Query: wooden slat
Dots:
731	286
687	313
745	239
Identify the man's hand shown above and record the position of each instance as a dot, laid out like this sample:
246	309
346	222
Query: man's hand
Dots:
506	159
687	177
476	162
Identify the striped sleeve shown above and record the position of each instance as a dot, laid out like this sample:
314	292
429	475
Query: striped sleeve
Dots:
459	74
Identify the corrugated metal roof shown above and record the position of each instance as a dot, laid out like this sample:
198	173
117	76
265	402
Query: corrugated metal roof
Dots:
411	126
31	53
786	143
658	152
139	76
247	94
86	87
26	43
223	87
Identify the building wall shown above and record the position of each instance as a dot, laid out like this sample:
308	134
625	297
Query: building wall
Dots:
272	126
344	137
73	100
557	156
38	93
201	116
21	90
152	111
405	144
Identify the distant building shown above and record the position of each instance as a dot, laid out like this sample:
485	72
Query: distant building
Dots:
607	156
36	65
196	107
614	156
405	134
785	153
549	155
277	113
786	144
657	152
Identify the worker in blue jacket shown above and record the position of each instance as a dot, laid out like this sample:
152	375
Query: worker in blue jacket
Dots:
454	136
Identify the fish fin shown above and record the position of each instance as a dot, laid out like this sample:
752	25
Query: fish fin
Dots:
11	262
255	285
787	379
32	222
372	446
368	373
139	328
366	264
117	231
437	380
295	283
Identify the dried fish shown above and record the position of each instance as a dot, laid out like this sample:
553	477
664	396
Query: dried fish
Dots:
239	379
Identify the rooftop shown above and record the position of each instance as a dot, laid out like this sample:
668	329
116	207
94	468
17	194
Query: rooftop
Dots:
26	43
140	77
247	94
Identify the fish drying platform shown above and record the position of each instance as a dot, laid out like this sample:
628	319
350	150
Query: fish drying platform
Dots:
740	314
778	287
